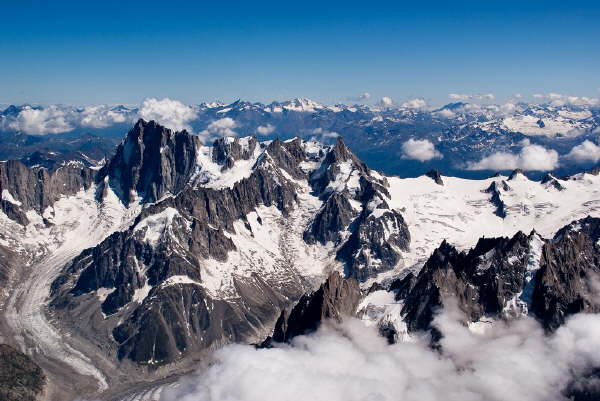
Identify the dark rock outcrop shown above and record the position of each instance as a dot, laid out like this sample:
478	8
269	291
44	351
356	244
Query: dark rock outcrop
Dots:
502	277
550	181
335	214
182	318
568	275
23	188
193	231
21	379
480	281
377	234
335	299
496	199
515	173
151	162
402	287
226	151
375	244
435	176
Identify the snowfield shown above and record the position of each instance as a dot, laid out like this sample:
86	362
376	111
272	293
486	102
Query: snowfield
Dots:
461	212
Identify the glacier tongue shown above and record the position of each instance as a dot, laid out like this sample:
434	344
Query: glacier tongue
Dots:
78	222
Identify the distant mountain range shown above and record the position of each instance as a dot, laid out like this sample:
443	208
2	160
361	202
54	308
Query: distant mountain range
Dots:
458	135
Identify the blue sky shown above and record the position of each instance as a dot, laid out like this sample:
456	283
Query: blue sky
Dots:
122	52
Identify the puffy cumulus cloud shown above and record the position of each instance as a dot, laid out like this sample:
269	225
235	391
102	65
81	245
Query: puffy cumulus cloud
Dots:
171	113
323	135
265	129
419	149
386	101
351	362
55	119
102	116
40	121
465	97
530	157
445	113
557	99
219	128
585	152
415	104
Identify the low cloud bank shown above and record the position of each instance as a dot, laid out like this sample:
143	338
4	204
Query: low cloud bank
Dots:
559	99
50	120
351	362
585	152
171	113
265	129
419	149
530	157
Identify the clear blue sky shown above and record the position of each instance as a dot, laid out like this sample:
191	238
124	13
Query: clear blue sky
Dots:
121	52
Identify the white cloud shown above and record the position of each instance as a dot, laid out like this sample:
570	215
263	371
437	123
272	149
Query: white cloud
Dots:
530	157
323	135
419	149
557	99
351	362
219	128
171	113
415	104
386	101
102	116
465	96
587	151
55	119
265	129
49	120
446	113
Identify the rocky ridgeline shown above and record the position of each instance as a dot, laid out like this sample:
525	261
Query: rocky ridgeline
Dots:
155	299
147	294
23	188
151	162
504	278
336	299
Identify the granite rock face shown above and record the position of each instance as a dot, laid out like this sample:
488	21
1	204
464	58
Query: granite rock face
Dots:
21	379
155	280
227	150
151	162
376	235
435	176
505	278
496	199
335	299
23	188
569	274
482	281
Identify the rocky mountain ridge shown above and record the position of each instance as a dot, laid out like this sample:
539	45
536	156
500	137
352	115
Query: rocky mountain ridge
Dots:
191	247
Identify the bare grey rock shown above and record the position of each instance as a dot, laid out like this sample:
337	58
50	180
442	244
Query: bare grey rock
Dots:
335	299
